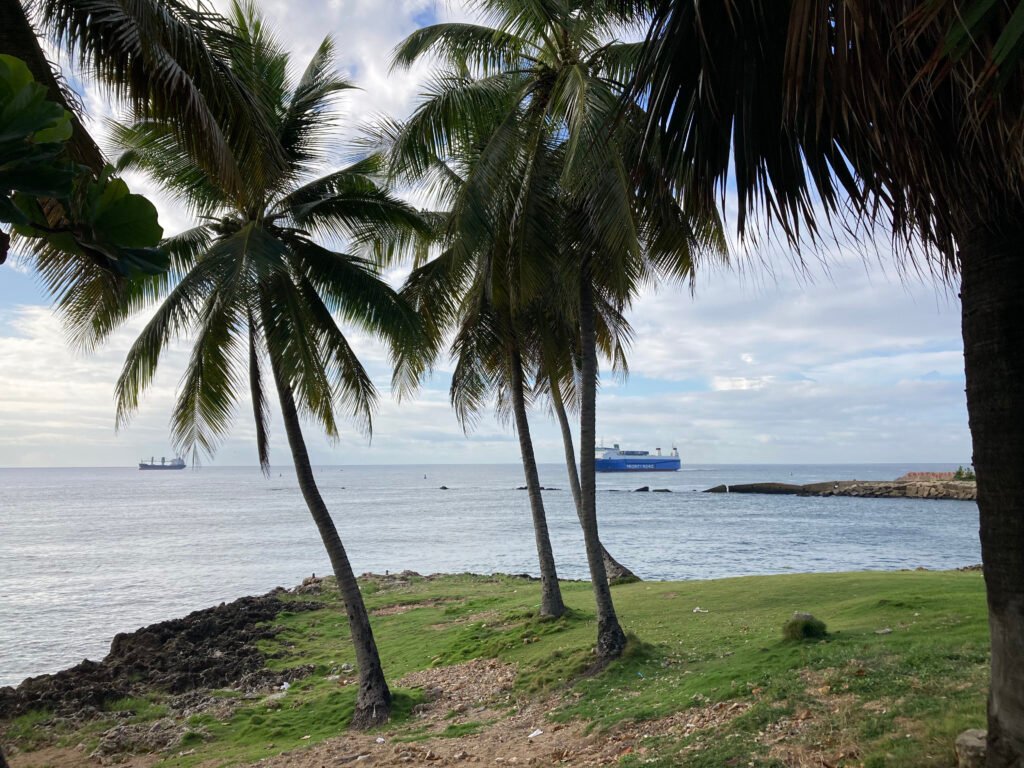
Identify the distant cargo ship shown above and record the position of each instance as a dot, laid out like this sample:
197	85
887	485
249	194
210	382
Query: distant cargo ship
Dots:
175	463
616	460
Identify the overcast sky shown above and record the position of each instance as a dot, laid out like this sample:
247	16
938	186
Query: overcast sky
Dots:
849	364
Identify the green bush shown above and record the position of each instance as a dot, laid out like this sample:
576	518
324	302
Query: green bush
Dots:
803	626
964	474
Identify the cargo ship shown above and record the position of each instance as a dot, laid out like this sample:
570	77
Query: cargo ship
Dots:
615	459
176	463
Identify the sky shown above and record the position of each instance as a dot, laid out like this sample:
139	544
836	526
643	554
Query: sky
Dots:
846	359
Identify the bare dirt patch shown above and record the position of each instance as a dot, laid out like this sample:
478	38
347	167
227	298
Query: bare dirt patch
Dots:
814	736
74	757
472	717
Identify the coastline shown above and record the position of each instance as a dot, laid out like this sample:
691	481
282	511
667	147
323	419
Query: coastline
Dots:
955	490
263	681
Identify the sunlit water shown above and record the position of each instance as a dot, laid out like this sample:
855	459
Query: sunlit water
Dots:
86	553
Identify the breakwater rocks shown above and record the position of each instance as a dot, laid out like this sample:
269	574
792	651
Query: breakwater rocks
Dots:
212	648
959	490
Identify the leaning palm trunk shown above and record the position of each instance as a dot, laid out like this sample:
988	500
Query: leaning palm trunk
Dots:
611	640
992	285
616	571
373	704
551	594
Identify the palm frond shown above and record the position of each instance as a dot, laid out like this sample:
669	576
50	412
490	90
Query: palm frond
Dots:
169	60
352	288
176	314
307	122
293	345
351	383
208	390
352	207
155	149
462	46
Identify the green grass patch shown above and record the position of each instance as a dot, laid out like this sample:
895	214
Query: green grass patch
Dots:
902	670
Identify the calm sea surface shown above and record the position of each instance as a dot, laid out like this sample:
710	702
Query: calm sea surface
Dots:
87	553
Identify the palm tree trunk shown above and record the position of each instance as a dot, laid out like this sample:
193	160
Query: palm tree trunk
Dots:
992	286
617	572
611	640
551	594
18	39
373	704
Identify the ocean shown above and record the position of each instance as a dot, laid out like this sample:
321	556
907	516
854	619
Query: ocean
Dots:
87	553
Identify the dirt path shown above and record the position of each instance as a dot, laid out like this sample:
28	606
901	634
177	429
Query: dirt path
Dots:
477	696
469	716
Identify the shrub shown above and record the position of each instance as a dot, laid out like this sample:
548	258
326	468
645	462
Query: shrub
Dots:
803	626
964	474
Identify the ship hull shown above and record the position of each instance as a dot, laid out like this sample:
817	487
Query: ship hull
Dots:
638	464
160	466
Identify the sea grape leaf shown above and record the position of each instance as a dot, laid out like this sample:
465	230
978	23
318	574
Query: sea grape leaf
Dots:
128	221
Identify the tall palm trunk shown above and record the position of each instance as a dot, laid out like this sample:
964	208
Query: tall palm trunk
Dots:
616	571
611	640
992	286
373	704
18	39
551	594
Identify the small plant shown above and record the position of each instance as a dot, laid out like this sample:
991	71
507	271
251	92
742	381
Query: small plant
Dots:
964	474
804	626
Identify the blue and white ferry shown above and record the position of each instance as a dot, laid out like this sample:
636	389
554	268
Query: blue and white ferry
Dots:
614	459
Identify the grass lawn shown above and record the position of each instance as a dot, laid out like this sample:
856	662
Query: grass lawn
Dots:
903	669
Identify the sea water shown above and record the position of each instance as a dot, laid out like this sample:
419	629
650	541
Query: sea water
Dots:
87	553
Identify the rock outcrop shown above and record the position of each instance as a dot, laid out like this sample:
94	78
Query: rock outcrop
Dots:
960	490
212	648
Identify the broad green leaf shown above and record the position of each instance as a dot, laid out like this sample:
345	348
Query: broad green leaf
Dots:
14	74
43	181
109	193
58	133
129	221
9	213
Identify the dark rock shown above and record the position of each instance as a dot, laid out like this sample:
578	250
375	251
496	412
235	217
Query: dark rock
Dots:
616	572
443	488
311	585
661	490
144	737
212	648
267	679
641	489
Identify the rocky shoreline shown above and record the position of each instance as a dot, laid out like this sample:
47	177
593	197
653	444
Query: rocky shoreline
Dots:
958	490
211	648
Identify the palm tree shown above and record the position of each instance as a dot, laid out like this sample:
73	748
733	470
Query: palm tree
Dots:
550	75
907	113
255	289
557	369
468	293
